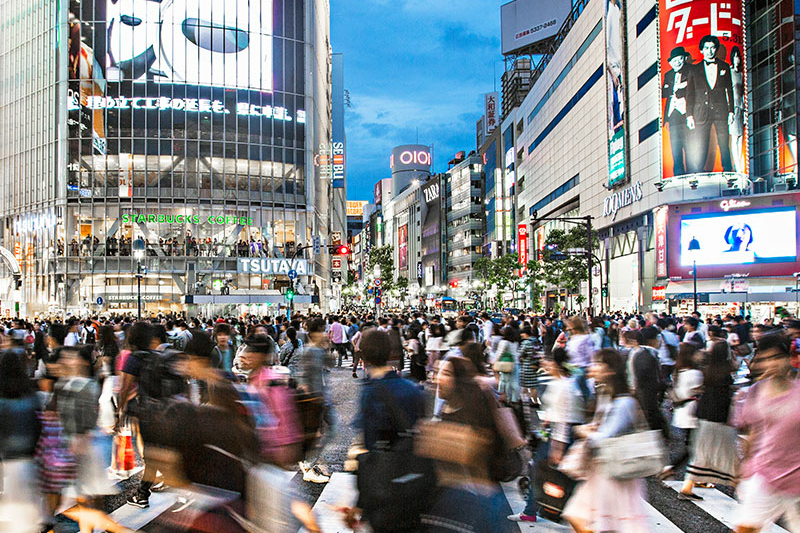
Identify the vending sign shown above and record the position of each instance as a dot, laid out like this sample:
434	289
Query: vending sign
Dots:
659	293
702	87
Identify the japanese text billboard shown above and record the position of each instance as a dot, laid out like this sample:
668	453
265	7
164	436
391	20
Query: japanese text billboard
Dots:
615	87
702	87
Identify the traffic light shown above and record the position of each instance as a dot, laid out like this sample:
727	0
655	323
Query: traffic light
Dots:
290	294
343	250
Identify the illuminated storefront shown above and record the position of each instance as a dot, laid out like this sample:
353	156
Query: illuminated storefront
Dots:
187	124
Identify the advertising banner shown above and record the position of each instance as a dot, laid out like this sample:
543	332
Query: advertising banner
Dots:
702	87
402	247
727	237
615	87
660	224
526	22
522	234
182	68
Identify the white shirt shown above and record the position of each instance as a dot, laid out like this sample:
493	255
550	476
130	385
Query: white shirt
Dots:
667	338
72	339
687	384
711	73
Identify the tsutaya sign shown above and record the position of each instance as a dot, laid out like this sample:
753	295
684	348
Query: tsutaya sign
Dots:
622	198
274	267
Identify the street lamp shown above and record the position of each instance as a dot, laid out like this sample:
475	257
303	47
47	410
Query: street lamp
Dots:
694	248
138	253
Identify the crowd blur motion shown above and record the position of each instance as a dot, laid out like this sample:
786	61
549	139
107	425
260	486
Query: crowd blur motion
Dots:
101	413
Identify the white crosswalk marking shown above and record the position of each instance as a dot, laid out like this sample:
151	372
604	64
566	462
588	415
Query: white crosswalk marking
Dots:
136	518
719	505
340	490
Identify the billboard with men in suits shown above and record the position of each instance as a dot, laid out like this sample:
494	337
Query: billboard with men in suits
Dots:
702	87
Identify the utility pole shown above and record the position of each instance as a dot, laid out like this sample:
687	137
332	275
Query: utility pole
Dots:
589	260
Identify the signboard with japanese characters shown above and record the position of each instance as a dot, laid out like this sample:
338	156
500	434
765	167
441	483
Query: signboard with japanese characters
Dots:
702	87
491	111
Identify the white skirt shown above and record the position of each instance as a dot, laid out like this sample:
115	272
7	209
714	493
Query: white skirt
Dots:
21	505
605	504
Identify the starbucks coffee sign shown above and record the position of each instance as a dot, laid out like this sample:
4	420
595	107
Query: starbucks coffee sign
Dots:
622	198
273	267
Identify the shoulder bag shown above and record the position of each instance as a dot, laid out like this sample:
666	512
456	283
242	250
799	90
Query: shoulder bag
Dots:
633	456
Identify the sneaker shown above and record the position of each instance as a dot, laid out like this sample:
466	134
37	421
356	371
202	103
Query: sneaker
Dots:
666	473
304	467
355	375
158	487
689	497
139	500
323	469
521	517
315	476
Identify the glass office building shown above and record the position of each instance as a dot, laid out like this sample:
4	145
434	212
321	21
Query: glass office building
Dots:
188	124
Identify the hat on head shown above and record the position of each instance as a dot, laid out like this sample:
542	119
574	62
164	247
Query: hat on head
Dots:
679	51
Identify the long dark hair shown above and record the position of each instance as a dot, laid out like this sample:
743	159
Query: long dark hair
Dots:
14	382
717	367
618	384
687	353
736	52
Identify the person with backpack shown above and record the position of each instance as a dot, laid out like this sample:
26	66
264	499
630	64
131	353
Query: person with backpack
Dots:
156	378
388	407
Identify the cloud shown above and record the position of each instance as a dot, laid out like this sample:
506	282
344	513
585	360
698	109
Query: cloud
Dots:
414	69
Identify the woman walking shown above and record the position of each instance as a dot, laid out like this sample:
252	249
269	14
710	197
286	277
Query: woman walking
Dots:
687	382
714	457
603	503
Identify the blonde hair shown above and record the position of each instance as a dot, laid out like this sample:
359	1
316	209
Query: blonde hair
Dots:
578	325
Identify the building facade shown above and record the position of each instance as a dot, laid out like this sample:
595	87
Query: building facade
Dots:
139	129
464	215
611	130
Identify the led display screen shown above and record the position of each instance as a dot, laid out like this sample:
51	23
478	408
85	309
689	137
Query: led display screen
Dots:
740	238
703	87
186	69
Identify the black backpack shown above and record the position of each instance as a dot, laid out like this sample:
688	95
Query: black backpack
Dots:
159	378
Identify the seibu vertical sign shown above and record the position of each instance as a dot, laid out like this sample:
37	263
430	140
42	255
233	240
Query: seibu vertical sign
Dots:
522	237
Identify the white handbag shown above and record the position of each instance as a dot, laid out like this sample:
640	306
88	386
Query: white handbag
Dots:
635	455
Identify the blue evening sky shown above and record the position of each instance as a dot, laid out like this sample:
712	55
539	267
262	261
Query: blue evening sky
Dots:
413	65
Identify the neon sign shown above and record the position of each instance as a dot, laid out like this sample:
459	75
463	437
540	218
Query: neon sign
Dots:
726	205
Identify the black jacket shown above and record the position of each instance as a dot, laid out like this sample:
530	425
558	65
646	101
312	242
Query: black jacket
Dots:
704	103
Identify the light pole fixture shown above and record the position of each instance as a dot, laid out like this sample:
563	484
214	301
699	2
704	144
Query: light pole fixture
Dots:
138	253
694	248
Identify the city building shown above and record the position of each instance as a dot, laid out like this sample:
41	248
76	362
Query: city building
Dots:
609	134
121	136
464	215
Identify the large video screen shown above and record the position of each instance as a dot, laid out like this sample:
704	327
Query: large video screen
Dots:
703	87
743	238
184	69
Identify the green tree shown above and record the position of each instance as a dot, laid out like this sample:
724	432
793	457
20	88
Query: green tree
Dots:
566	268
534	279
500	272
401	285
382	256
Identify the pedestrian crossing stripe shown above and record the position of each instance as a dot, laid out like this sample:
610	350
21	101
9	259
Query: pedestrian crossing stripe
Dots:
341	491
719	505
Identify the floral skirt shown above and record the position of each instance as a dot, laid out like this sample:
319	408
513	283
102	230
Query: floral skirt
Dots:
605	504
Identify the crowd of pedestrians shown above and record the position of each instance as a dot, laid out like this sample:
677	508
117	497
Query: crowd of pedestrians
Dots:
451	407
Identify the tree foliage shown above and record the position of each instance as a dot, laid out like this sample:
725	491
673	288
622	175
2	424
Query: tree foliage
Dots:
563	266
500	272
